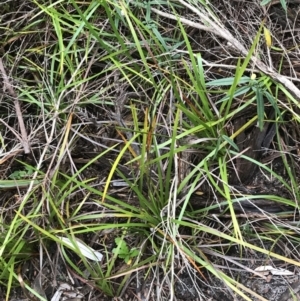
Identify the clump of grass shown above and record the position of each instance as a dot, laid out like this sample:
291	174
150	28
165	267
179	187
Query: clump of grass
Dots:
126	127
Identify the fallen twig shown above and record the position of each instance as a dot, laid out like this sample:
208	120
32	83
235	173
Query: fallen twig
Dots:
12	93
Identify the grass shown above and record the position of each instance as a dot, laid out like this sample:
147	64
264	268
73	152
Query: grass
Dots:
128	121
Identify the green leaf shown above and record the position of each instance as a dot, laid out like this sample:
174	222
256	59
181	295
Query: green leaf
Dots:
272	101
127	258
240	91
122	249
134	253
228	81
17	183
283	4
230	142
265	2
122	256
18	174
260	108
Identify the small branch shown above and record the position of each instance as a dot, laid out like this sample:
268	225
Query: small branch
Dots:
12	93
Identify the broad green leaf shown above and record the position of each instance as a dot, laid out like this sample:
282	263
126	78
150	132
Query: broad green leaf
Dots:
228	81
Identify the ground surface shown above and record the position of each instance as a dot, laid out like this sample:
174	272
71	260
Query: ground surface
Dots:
80	120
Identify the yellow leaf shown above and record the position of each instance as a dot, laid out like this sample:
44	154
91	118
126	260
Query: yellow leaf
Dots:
268	37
